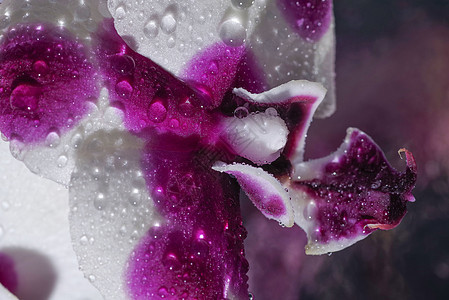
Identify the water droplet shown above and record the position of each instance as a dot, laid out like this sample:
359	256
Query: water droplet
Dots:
91	278
125	64
213	68
157	112
82	13
40	67
124	89
163	292
168	23
25	97
120	12
16	148
62	161
242	4
310	211
241	112
271	111
186	109
6	205
53	139
76	140
171	42
2	231
100	201
171	261
232	32
84	240
151	28
174	123
4	21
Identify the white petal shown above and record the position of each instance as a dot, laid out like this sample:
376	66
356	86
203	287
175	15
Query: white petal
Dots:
171	33
265	191
34	221
283	55
110	208
308	94
258	137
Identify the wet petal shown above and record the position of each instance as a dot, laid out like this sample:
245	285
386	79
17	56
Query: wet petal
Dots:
283	54
300	98
265	191
311	19
177	35
258	137
171	34
47	87
110	208
153	100
342	198
197	251
34	234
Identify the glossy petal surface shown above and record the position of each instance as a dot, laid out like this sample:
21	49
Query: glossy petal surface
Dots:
297	102
110	208
344	197
197	251
265	191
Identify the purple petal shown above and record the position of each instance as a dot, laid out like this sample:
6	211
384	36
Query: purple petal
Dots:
310	18
152	99
110	207
197	251
265	191
342	198
46	82
213	71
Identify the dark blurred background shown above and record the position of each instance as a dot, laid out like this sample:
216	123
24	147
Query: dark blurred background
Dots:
393	83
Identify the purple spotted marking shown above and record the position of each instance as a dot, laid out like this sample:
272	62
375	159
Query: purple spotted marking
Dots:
270	205
153	100
359	192
310	18
8	275
198	253
46	81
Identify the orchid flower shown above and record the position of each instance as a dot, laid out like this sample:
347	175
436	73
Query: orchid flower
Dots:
156	114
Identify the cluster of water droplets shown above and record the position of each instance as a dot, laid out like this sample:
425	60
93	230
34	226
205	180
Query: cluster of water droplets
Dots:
109	206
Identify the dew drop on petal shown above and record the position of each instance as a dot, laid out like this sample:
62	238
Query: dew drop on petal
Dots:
25	97
120	12
241	112
62	161
124	89
157	112
232	32
168	23
151	28
242	4
53	139
40	67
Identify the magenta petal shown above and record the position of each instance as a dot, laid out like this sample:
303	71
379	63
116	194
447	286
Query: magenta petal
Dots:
265	191
197	251
342	198
212	71
151	98
46	81
310	18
